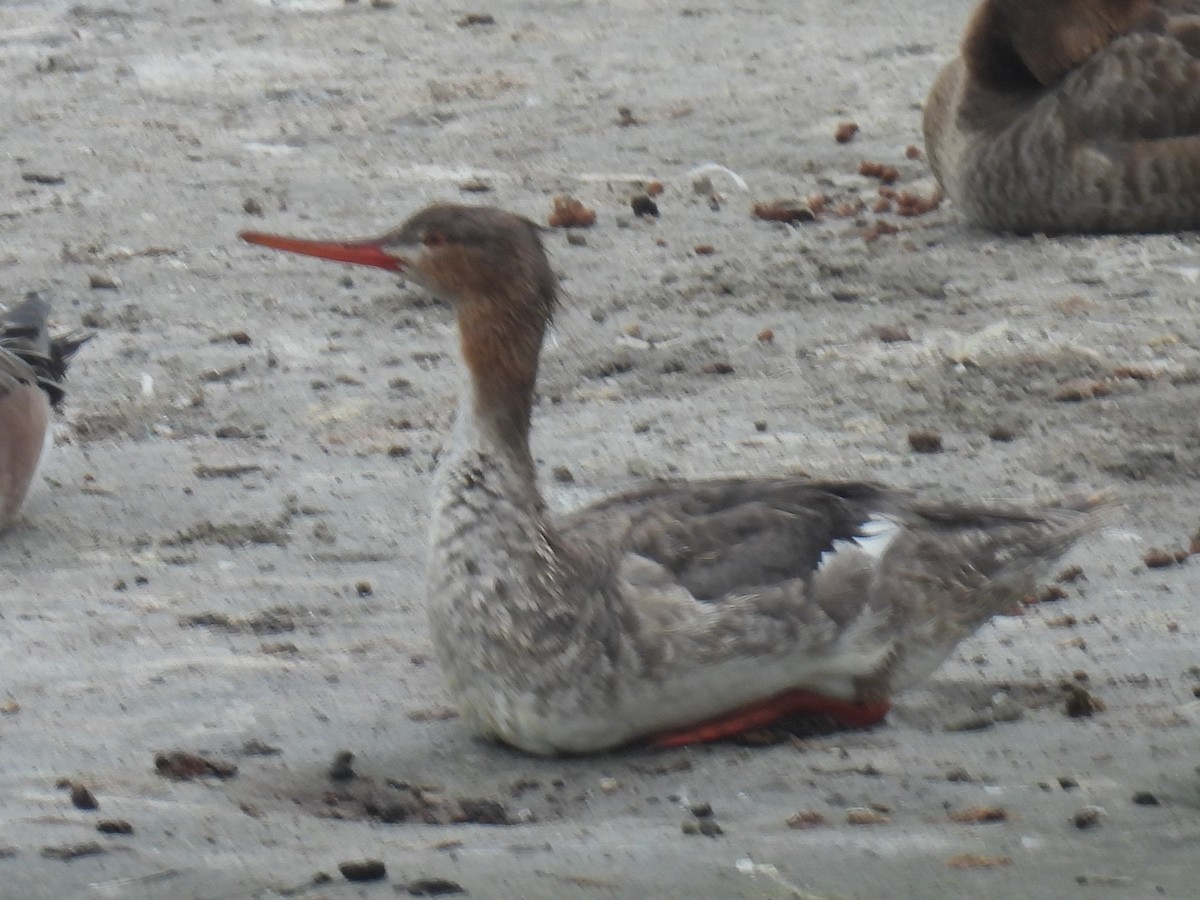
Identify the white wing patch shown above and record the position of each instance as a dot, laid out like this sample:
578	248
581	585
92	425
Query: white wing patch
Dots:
878	532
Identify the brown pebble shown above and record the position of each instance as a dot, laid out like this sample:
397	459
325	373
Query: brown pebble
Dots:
114	826
886	174
912	151
575	239
1155	558
806	818
975	815
472	19
783	211
1051	594
98	282
1079	389
183	766
704	249
1135	373
893	334
845	132
925	441
718	367
570	213
864	816
1001	434
363	588
363	870
878	229
1069	575
766	336
654	188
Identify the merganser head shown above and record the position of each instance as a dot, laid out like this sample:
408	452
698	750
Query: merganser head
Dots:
463	254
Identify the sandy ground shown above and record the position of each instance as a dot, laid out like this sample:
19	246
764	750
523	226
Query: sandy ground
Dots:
225	554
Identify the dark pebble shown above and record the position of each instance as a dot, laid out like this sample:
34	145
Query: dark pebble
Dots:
82	798
644	206
363	870
1087	817
114	826
702	810
183	766
1145	798
68	852
343	766
925	441
434	887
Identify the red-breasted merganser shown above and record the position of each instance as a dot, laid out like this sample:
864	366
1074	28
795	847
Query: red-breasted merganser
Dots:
679	612
33	366
1072	116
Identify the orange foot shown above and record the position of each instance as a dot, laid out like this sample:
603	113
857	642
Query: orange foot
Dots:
845	713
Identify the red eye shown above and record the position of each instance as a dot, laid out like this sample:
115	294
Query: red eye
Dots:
433	239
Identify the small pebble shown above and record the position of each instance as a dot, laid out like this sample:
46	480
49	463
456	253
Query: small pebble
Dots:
861	815
1145	798
82	798
342	768
1087	817
363	870
68	852
701	810
114	826
1156	558
644	206
363	588
563	475
805	818
433	887
925	441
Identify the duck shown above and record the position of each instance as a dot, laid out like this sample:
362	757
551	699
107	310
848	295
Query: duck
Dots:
1071	116
33	368
679	612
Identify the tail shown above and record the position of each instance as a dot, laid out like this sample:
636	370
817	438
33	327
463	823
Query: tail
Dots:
25	333
955	567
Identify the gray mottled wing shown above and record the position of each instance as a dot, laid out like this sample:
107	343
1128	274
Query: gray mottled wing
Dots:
723	537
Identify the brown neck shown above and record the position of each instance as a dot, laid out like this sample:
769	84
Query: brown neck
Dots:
502	358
